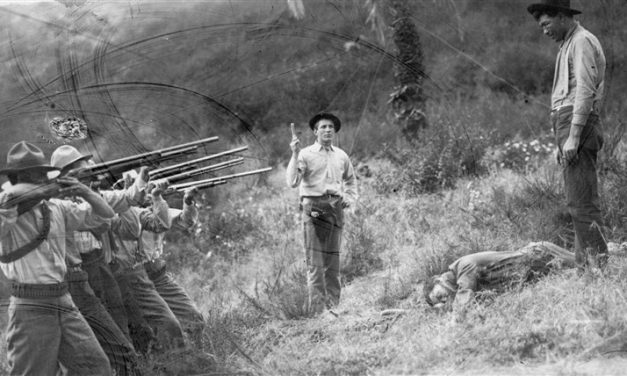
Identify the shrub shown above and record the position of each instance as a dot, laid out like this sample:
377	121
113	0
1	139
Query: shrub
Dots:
361	250
432	165
518	155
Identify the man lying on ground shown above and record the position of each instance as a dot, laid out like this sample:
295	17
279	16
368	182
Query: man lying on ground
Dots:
494	271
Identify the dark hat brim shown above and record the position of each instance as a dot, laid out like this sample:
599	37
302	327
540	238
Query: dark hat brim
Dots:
337	124
533	8
6	171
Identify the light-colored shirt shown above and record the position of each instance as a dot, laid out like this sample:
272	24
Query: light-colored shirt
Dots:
127	229
85	241
46	263
181	220
497	270
579	74
319	170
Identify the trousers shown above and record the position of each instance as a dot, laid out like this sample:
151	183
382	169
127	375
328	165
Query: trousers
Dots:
141	295
115	344
103	283
323	220
47	331
581	188
178	300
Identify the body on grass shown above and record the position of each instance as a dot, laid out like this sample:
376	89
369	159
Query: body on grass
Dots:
494	271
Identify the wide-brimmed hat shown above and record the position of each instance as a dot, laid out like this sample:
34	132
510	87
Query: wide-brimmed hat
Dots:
66	155
549	5
337	124
25	156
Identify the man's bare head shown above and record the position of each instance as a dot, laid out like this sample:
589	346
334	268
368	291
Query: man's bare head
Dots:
439	289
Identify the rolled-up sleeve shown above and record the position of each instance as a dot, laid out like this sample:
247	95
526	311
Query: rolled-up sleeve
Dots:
120	201
8	218
587	70
186	218
350	182
295	170
79	216
156	218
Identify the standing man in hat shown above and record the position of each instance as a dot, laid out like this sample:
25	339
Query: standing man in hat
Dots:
45	328
575	103
326	181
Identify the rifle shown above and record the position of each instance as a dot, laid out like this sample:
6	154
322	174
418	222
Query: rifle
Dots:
190	165
204	186
203	170
211	182
112	169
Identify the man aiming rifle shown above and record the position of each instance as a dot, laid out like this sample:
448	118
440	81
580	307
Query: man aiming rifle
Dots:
91	282
45	328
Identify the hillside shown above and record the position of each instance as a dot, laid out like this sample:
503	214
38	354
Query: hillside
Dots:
382	326
148	74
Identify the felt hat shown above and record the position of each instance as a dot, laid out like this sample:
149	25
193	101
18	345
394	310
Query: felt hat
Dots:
552	5
66	155
337	124
25	156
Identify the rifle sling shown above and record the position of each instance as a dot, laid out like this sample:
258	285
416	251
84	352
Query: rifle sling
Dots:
30	246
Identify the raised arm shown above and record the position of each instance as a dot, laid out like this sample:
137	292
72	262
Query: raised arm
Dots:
72	187
156	218
294	174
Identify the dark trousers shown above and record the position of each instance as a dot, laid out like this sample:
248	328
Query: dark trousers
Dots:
581	188
178	300
323	220
143	300
115	344
105	287
43	333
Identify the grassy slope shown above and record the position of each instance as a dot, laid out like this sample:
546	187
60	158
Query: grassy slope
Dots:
251	289
542	329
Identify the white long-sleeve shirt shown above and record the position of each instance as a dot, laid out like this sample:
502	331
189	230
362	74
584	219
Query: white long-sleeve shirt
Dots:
579	74
181	219
46	263
319	170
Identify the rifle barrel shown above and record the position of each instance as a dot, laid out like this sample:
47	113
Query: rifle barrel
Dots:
164	170
204	170
226	177
203	186
166	153
188	144
152	156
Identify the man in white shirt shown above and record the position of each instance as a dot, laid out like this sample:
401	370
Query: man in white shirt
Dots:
326	181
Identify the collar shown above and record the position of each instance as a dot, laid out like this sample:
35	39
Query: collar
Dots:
447	280
320	147
570	33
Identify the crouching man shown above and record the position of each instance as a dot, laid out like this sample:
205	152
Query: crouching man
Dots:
493	271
